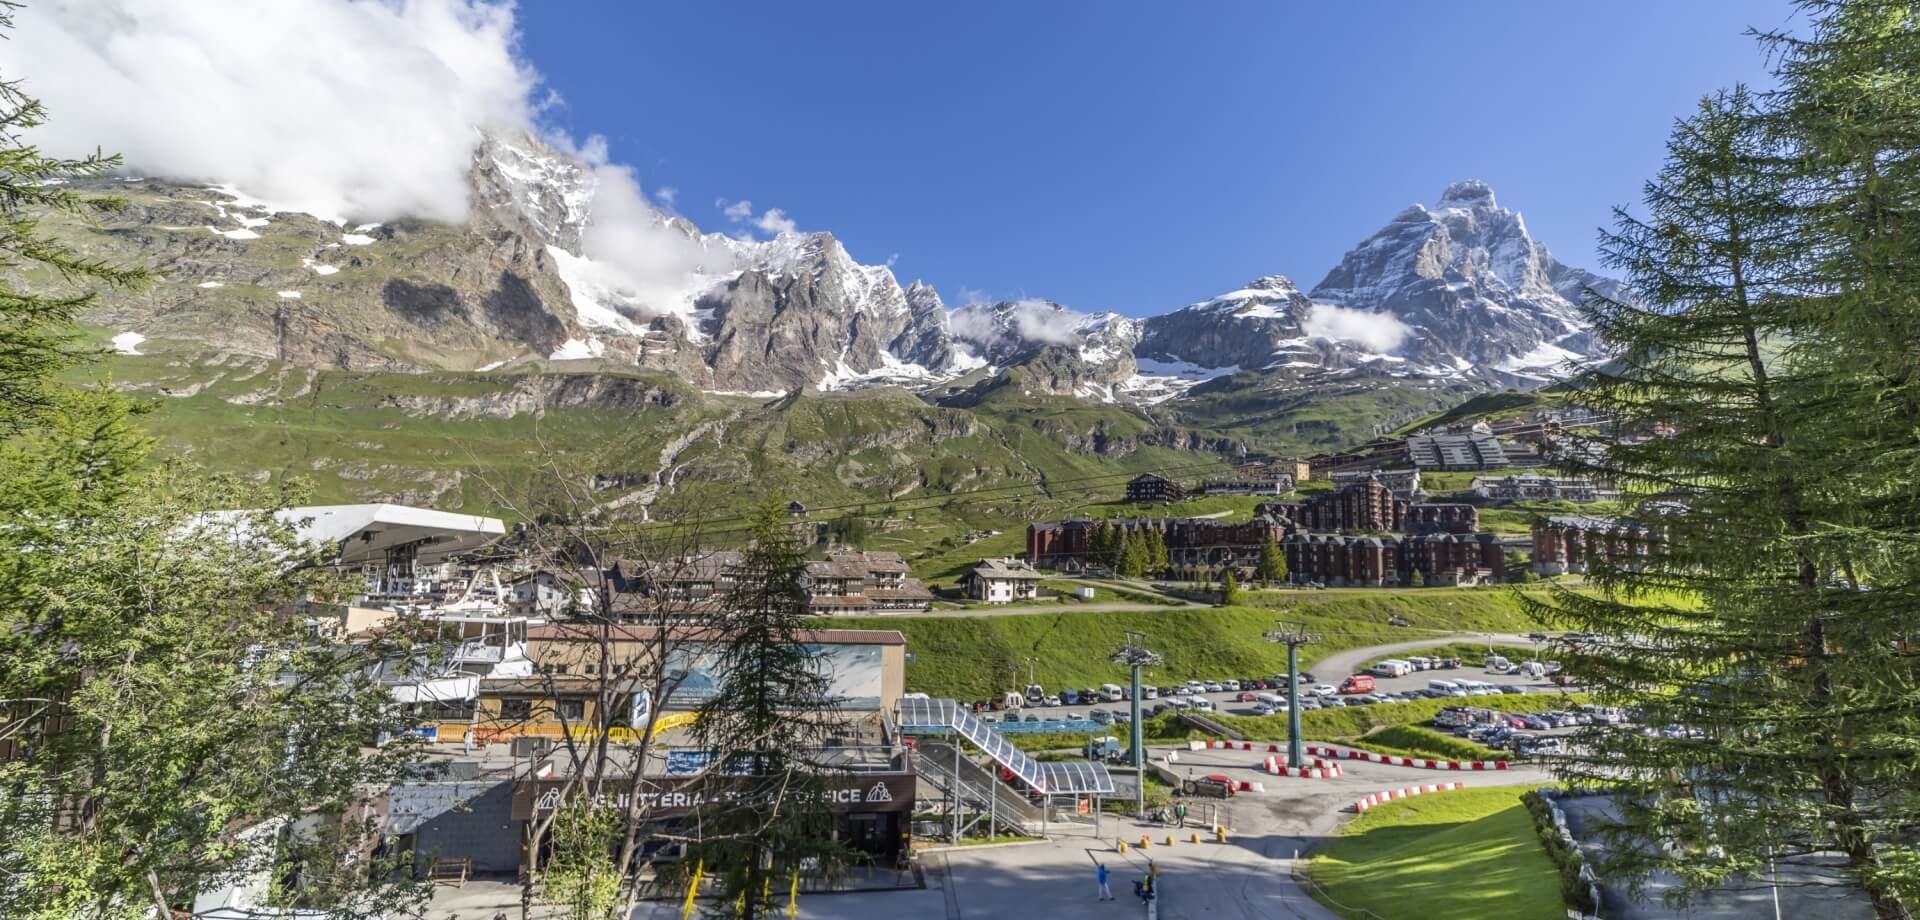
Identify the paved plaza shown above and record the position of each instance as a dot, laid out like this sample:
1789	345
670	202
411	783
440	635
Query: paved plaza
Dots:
1248	876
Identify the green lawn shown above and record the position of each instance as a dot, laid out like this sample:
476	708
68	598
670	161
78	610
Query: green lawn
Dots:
974	657
1470	854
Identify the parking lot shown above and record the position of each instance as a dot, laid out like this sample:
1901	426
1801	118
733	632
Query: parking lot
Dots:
1230	701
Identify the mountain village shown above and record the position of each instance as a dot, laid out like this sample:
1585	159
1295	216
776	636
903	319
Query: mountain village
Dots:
443	526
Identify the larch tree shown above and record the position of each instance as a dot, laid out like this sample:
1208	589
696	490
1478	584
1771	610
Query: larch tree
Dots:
766	822
1754	614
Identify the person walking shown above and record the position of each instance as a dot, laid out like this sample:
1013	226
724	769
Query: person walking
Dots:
1100	873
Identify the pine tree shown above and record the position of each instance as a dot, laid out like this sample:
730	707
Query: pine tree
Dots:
1760	591
1272	566
1104	549
769	816
1157	559
36	341
1133	555
1229	588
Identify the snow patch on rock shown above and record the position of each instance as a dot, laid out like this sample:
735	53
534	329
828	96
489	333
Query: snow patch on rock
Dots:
128	343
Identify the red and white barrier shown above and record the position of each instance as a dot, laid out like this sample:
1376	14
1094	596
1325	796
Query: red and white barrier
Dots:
1320	769
1415	762
1376	798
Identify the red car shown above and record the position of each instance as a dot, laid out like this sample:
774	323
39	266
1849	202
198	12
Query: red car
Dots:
1247	698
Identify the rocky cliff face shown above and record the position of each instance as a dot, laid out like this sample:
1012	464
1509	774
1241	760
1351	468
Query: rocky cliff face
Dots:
1254	326
1478	291
1065	352
1472	295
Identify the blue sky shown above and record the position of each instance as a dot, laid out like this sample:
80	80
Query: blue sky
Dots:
1124	156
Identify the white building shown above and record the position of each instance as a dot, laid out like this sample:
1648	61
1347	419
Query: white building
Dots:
1003	581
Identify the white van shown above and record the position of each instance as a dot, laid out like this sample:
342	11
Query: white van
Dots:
1180	702
1111	693
1011	700
1203	704
1443	686
1149	693
1499	664
1392	667
1271	699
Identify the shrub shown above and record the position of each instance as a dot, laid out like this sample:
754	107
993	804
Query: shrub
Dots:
1567	858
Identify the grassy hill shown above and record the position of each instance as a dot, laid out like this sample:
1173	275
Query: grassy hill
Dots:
973	657
481	442
1469	853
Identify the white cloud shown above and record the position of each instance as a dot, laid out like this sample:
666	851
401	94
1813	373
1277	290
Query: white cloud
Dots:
639	260
775	222
364	110
665	195
1375	332
1031	319
359	110
771	222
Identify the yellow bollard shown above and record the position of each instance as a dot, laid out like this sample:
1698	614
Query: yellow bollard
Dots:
1144	842
1219	834
1120	846
1169	840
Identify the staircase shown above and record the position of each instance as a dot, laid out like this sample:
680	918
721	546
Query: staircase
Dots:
976	786
1208	725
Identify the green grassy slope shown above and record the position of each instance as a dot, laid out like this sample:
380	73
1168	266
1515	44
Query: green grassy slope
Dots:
468	441
1468	853
972	657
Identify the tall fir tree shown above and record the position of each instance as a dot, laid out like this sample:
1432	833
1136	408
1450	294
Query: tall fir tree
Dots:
1750	606
768	819
36	338
1272	566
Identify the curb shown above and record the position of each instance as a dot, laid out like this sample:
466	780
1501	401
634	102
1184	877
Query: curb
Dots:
1361	805
1321	769
1415	762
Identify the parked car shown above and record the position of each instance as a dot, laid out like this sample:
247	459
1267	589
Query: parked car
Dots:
1203	704
1089	696
1069	698
1309	702
1101	716
1213	686
1358	683
1245	698
1031	717
1511	689
1306	677
1324	690
1050	701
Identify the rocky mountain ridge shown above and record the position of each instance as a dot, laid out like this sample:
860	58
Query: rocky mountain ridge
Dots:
1456	291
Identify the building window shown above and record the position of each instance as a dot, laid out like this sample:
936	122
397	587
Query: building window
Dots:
516	710
573	710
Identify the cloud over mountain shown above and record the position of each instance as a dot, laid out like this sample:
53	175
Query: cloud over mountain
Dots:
364	110
1379	332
